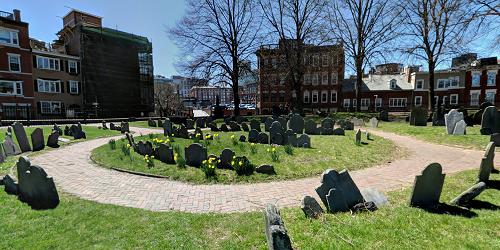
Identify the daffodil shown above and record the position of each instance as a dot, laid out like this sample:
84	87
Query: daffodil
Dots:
241	163
204	162
232	162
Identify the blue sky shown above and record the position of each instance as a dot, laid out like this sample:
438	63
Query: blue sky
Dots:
150	18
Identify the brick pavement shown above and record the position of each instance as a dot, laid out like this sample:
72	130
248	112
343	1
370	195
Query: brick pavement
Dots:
74	173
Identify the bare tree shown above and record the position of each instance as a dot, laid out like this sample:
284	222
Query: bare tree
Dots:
487	7
366	28
216	36
167	101
295	23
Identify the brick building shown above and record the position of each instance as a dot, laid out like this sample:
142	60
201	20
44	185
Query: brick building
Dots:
482	82
206	95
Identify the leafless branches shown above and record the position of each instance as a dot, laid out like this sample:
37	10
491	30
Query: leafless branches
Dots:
166	99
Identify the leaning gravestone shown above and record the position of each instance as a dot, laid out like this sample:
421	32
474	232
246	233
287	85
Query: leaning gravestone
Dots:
490	122
373	195
225	158
35	187
451	120
103	125
195	154
3	155
224	128
234	126
427	187
253	136
255	124
58	129
310	127
37	139
418	117
53	140
487	163
245	127
165	154
189	124
495	138
338	192
22	138
152	123
374	122
304	141
77	132
460	128
358	137
124	127
263	138
311	207
468	195
276	234
167	127
10	146
296	124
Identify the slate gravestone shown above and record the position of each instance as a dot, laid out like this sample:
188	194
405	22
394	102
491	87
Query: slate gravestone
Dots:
384	115
276	234
35	187
268	123
167	127
124	127
338	131
296	123
292	140
337	191
224	128
460	128
243	138
253	136
165	154
145	148
213	127
327	131
283	122
245	127
468	195
59	130
53	140
10	146
255	124
3	155
189	124
265	169
200	123
311	207
310	127
487	163
495	138
373	195
234	126
182	132
10	186
358	137
77	132
276	138
276	128
22	138
304	141
374	122
111	126
347	125
490	122
152	123
263	138
225	158
103	125
451	119
195	154
67	131
131	141
418	116
427	187
159	123
287	133
358	122
37	139
327	123
320	131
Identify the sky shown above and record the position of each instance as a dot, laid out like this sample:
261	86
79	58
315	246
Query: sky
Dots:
149	18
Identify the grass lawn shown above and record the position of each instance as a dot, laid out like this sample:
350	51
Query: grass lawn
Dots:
337	152
79	224
142	124
473	139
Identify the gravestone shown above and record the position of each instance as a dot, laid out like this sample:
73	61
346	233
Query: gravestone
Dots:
131	141
213	127
22	138
287	133
243	138
276	234
490	122
358	137
125	128
245	127
368	136
384	115
151	123
35	187
167	127
103	125
195	154
327	123
111	127
418	116
159	123
255	124
253	136
189	124
451	120
3	155
182	132
283	123
373	195
268	123
338	131
265	169
77	132
10	186
374	122
427	187
495	138
311	207
460	128
224	128
320	131
347	125
67	131
165	154
468	195
304	141
292	140
59	130
487	163
263	138
358	122
10	146
276	128
276	138
327	131
310	127
53	140
338	192
200	123
37	139
234	126
226	157
296	123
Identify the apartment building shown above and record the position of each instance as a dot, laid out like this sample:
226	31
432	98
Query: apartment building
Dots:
206	96
482	80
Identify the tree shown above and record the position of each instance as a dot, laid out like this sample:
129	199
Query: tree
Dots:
365	28
296	23
166	99
216	36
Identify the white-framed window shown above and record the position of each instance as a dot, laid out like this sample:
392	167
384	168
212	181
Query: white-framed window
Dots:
11	87
474	98
306	96
418	101
14	62
365	103
454	99
393	84
316	60
73	87
453	81
325	61
72	67
333	96
476	79
50	107
307	79
324	79
334	78
315	96
490	96
492	78
419	84
354	103
324	96
347	103
315	79
8	36
49	86
397	102
47	63
378	102
442	83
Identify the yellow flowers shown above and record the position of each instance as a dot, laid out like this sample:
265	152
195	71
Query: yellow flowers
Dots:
176	156
241	163
252	144
232	163
232	136
268	150
149	160
128	146
274	149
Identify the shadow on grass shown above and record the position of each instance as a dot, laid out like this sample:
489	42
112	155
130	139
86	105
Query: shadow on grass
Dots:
443	208
493	184
477	204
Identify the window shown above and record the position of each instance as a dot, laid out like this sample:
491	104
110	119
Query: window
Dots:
47	63
491	81
14	63
315	79
11	88
419	84
315	97
393	84
474	98
442	83
347	103
354	103
397	102
306	96
454	99
324	96
444	100
453	81
325	60
334	78
72	67
324	79
490	96
378	102
476	79
307	79
50	107
73	87
49	86
365	103
333	96
418	101
9	37
315	60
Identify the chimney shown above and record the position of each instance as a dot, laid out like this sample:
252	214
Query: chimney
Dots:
17	15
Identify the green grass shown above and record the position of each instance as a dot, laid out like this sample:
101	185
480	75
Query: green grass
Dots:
473	139
141	124
337	152
79	224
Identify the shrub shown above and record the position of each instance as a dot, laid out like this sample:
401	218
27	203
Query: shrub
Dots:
209	166
179	160
274	154
288	149
149	161
112	144
242	166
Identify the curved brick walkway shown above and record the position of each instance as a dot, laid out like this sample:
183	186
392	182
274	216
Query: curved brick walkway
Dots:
75	174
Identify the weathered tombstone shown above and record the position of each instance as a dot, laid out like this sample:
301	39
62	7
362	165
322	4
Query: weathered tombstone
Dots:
292	140
10	146
265	169
159	123
451	120
338	131
10	186
255	124
490	122
234	126
125	128
195	154
311	207
495	138
384	115
358	122
282	122
37	139
468	195
53	140
253	136
67	131
189	124
182	132
276	234
243	138
167	127
487	163
22	138
35	187
268	123
111	127
310	127
368	136
337	191
165	154
374	122
103	125
226	157
151	123
77	132
276	138
224	128
200	123
131	141
263	138
427	187
296	123
418	116
58	129
304	141
287	133
276	128
3	155
327	123
460	128
347	125
320	131
245	127
358	137
373	195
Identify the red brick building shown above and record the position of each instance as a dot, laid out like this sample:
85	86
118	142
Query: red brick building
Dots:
482	80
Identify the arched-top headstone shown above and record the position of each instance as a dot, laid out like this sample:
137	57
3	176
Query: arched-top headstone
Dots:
226	157
267	124
165	154
253	136
451	120
263	138
255	124
35	187
22	138
195	154
167	127
310	127
304	141
337	191
427	187
296	123
328	123
276	128
490	122
37	139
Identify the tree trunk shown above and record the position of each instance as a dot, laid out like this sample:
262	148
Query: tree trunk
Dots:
432	100
359	83
236	99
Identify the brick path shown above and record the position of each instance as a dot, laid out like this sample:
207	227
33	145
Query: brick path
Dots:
75	174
